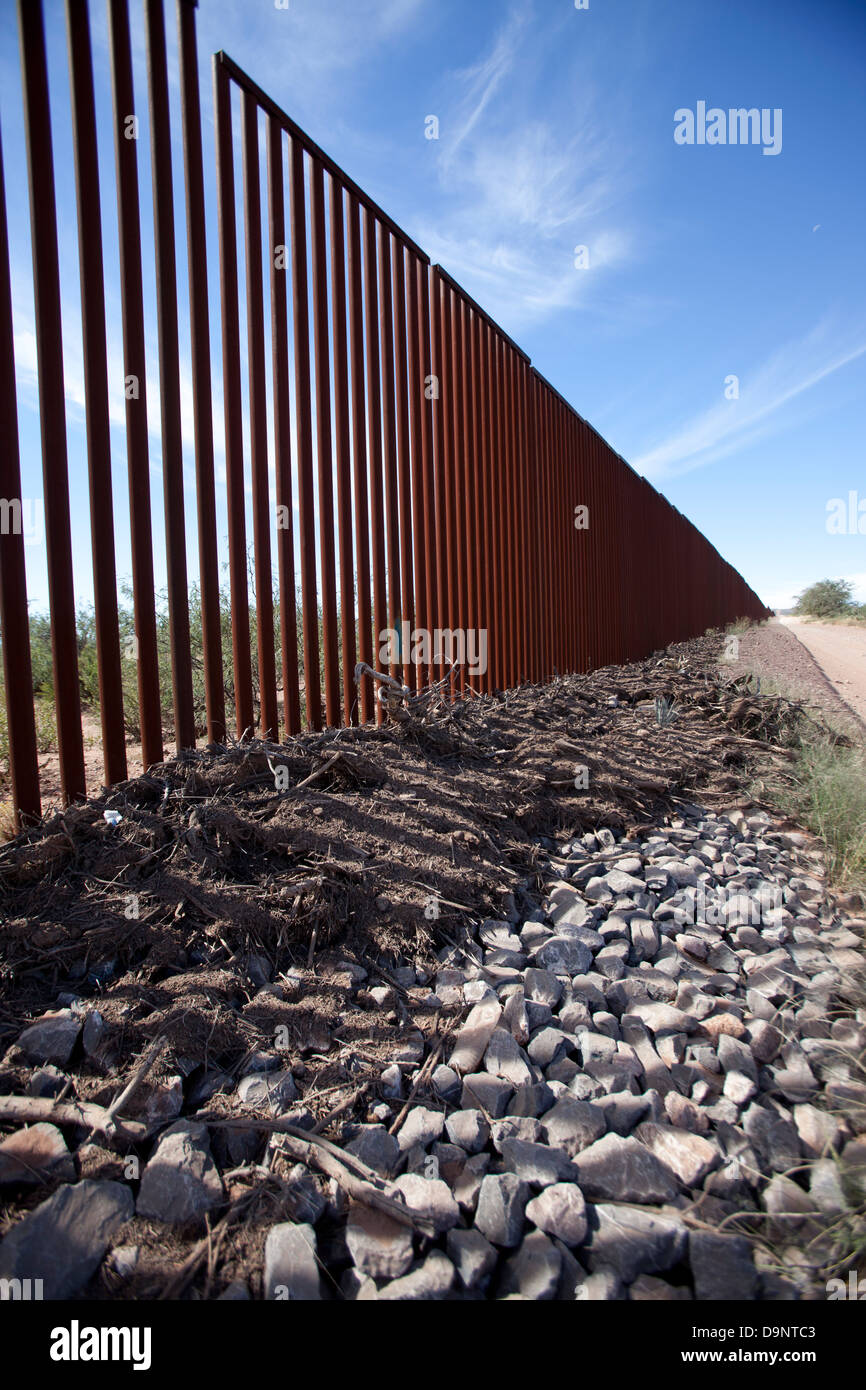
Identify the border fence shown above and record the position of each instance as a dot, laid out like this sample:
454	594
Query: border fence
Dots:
414	473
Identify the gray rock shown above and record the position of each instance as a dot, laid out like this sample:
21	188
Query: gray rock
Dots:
421	1126
515	1127
647	1289
47	1082
468	1184
567	907
542	987
741	1073
379	1246
632	1241
537	1015
683	1113
560	1210
818	1130
273	1091
603	1286
687	1155
64	1239
773	1137
506	1059
572	1125
537	1164
548	1046
645	938
377	1148
475	1034
51	1038
825	1187
473	1257
291	1267
531	1100
722	1266
516	1018
305	1200
391	1082
35	1155
614	1169
619	882
430	1281
446	1083
468	1129
481	1091
596	1047
533	1271
501	1206
622	1111
664	1018
563	955
180	1182
431	1199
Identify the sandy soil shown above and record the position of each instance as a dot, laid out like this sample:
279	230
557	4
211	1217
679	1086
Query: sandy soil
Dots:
772	651
840	651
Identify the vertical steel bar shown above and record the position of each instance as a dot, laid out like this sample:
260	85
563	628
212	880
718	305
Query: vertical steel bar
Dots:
96	392
389	432
560	537
134	367
500	516
52	406
324	449
269	719
404	465
470	518
430	406
359	453
511	550
526	555
531	520
342	448
232	405
416	418
282	429
199	319
440	433
485	517
169	375
304	428
458	503
17	670
452	470
374	416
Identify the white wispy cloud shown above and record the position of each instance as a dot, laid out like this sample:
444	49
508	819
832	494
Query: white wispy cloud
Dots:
520	192
760	410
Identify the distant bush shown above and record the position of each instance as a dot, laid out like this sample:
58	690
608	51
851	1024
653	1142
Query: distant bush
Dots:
829	598
88	669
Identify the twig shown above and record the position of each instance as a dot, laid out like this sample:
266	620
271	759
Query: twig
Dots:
30	1110
356	1179
148	1059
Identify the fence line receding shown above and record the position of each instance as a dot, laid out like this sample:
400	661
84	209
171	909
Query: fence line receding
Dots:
432	506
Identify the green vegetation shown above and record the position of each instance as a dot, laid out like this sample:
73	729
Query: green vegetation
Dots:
829	598
830	793
825	788
88	674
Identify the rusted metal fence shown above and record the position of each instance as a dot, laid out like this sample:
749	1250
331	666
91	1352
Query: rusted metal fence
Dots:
434	497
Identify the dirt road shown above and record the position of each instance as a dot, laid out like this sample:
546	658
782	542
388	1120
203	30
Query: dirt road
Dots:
840	651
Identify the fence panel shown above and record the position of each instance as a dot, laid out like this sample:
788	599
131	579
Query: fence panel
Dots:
443	507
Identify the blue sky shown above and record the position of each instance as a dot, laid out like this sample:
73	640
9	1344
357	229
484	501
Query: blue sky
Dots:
556	130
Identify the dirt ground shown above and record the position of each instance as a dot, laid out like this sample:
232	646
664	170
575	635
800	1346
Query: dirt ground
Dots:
840	651
226	905
775	652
